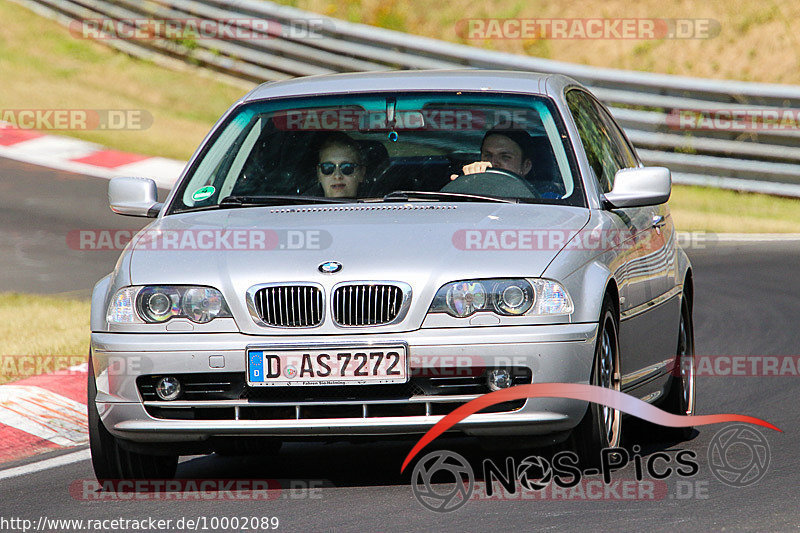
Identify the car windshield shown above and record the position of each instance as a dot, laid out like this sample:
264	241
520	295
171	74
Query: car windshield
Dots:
385	147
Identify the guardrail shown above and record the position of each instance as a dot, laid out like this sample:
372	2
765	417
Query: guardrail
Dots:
649	106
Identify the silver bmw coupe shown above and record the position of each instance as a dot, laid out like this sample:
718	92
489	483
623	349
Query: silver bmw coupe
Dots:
359	254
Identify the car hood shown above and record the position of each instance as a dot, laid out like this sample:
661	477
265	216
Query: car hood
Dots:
423	244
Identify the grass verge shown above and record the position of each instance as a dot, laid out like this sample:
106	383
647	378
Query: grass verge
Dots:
44	67
748	40
41	334
722	211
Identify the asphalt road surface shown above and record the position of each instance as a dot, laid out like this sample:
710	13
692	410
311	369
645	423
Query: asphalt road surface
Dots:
39	208
747	303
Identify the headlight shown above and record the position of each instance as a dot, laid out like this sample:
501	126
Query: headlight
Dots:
464	298
155	303
506	297
202	305
514	297
120	310
159	304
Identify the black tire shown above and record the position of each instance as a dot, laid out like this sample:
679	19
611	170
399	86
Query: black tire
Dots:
681	389
601	426
110	460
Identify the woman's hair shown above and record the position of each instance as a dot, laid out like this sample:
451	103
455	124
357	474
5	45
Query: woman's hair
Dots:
342	139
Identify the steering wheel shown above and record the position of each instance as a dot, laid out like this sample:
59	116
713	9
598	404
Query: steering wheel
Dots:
493	182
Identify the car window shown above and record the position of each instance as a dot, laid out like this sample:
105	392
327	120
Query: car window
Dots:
618	141
606	148
385	143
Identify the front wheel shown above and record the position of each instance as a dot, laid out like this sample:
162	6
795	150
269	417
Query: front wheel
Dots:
680	398
601	426
110	460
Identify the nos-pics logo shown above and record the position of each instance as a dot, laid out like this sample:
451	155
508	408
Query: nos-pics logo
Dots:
443	481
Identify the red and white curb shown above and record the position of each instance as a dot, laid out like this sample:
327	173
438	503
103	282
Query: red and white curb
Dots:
75	155
43	413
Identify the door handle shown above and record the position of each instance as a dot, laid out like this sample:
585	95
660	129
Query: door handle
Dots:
659	221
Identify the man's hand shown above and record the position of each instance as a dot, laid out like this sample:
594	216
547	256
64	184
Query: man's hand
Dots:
473	168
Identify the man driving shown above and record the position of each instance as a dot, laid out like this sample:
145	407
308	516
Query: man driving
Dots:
509	150
502	149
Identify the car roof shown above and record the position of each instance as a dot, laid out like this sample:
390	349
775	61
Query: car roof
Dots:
472	80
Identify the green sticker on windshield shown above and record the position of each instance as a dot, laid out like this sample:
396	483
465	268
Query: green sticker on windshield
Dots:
203	192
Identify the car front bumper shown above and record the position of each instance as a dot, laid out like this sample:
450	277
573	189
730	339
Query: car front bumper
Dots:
553	353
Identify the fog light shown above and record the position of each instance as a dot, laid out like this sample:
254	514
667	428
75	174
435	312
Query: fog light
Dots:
168	388
499	378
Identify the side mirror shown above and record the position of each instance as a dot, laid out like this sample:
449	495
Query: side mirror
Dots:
639	187
136	197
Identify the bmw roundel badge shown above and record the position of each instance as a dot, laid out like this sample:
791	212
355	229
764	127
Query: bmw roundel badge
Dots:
330	267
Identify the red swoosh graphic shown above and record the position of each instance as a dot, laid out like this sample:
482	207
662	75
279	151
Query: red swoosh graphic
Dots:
591	393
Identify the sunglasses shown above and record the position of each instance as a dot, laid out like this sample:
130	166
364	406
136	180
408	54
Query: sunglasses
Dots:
327	168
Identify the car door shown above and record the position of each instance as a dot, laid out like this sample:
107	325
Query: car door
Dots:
656	324
642	249
658	241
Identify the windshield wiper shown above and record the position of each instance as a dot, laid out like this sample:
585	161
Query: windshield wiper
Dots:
243	201
402	196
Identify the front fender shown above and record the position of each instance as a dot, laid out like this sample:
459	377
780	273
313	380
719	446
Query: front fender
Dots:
587	287
100	299
683	265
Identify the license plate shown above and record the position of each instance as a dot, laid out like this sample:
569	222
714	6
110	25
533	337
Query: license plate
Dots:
327	366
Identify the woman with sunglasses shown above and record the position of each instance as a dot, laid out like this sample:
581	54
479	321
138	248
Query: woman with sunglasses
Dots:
340	169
